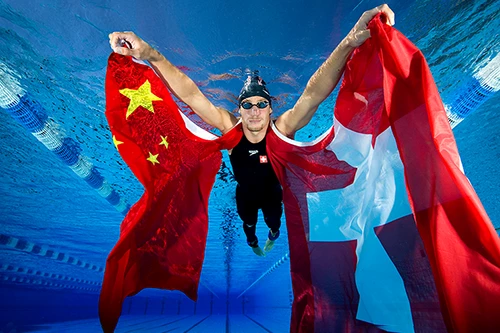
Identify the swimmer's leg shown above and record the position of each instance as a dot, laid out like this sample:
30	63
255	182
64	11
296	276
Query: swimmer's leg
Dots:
272	216
248	211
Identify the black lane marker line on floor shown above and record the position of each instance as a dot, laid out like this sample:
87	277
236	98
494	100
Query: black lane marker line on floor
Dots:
143	322
198	323
165	324
267	330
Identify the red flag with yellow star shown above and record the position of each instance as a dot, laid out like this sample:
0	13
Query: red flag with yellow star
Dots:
163	236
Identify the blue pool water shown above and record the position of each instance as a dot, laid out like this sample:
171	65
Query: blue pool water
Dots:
58	51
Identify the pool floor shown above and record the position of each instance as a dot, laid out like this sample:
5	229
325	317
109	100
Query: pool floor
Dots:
181	323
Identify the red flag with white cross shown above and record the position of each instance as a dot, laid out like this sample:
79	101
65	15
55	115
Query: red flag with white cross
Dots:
385	231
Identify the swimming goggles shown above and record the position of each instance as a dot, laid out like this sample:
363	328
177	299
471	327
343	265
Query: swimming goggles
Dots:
260	105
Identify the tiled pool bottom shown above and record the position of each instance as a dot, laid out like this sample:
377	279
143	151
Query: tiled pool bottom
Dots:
274	321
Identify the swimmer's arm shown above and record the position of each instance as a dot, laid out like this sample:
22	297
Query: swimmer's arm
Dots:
320	85
326	78
178	83
188	92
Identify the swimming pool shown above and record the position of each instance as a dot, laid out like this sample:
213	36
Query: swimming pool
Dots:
58	54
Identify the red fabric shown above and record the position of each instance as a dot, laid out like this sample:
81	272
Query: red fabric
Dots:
394	88
163	236
302	170
462	245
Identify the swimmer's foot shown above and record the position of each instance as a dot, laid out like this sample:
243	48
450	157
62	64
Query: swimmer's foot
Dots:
258	251
269	245
271	238
256	248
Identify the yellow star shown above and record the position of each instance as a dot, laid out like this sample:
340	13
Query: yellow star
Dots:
164	141
153	158
116	142
140	97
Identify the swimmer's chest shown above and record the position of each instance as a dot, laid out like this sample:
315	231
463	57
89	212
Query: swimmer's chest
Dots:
250	162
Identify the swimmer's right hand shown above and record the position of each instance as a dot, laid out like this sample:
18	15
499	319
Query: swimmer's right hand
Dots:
129	44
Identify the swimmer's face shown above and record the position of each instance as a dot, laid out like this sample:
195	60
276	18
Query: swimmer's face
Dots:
256	118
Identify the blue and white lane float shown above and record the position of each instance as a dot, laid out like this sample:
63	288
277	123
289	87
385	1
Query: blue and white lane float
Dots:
266	273
35	276
33	117
47	252
478	89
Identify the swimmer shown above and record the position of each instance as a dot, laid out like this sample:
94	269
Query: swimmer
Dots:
257	184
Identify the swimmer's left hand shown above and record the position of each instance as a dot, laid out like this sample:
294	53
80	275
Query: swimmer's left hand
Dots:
360	33
129	44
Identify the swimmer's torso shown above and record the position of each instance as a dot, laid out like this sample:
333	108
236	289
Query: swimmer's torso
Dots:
251	166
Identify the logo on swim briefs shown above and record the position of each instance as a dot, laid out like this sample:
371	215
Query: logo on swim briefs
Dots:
253	152
263	158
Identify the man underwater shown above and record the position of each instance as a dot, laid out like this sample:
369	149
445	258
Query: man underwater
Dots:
258	186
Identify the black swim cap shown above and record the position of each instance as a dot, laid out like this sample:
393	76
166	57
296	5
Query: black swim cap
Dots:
254	86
